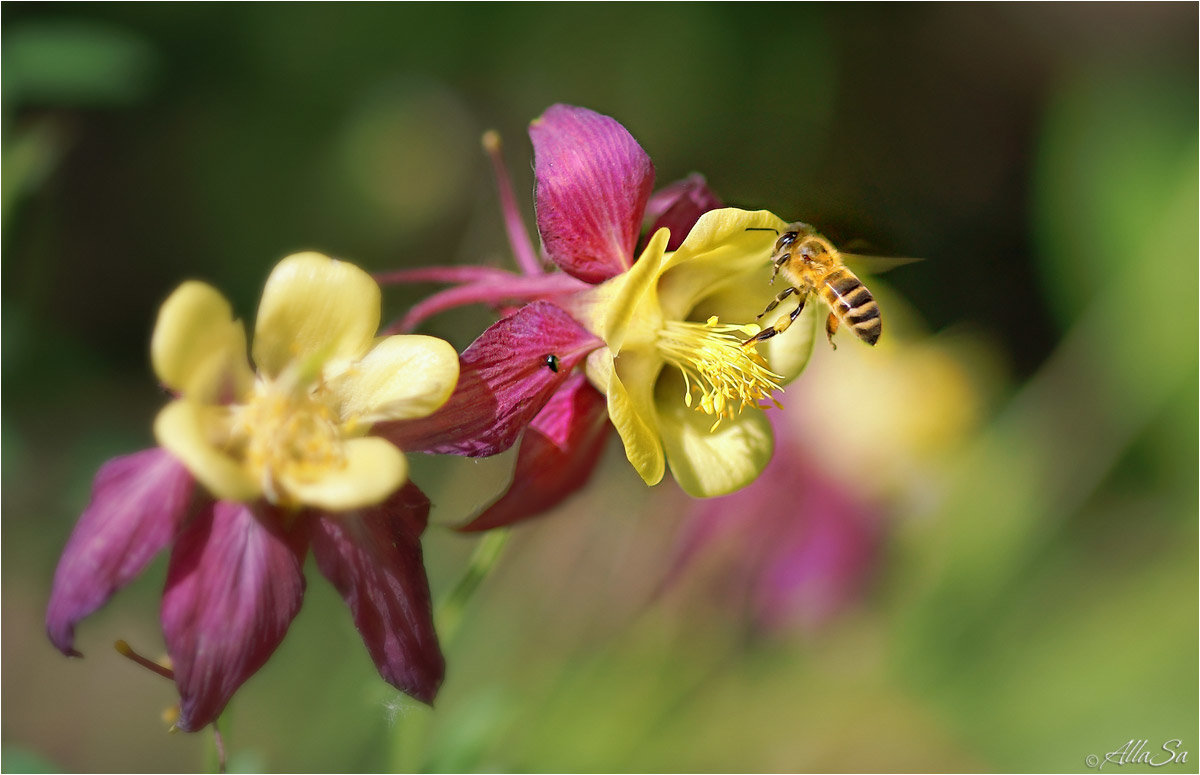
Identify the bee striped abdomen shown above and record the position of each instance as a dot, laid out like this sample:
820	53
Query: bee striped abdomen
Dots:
852	303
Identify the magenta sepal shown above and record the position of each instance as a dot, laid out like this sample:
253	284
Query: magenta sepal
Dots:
138	503
373	557
678	207
558	453
593	181
505	378
234	584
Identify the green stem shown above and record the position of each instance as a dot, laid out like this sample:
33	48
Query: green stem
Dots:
449	614
412	734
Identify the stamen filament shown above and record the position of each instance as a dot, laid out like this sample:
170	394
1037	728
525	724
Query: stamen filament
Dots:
125	650
718	371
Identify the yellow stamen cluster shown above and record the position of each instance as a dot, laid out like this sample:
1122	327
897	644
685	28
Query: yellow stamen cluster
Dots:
287	433
720	375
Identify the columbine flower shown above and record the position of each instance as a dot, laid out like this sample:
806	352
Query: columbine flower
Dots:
284	460
658	331
677	379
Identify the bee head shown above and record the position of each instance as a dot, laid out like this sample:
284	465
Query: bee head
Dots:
815	249
799	239
796	233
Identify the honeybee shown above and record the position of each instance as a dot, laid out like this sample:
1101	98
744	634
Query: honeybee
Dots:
809	263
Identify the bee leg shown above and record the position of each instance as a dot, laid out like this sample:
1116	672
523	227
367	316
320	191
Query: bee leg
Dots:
775	303
782	324
831	327
779	262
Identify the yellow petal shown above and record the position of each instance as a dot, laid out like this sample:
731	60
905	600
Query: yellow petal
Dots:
631	409
710	463
198	349
634	304
599	368
400	378
187	430
720	249
374	469
314	310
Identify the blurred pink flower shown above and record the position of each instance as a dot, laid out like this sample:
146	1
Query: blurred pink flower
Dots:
793	548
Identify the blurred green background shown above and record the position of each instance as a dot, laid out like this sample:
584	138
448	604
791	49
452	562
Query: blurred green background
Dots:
1035	597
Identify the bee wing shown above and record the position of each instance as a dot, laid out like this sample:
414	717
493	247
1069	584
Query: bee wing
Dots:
875	264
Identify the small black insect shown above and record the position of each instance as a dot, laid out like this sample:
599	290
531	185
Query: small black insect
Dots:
552	363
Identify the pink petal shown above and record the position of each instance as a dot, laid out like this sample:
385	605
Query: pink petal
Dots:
504	380
679	206
138	502
557	456
234	585
593	180
373	557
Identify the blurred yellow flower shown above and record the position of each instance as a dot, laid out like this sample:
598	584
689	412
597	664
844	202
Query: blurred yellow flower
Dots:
295	432
893	417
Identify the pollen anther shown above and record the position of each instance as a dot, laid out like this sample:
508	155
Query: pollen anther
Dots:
720	376
288	435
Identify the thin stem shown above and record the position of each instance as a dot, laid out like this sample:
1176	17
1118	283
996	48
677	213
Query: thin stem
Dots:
411	738
219	743
487	554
